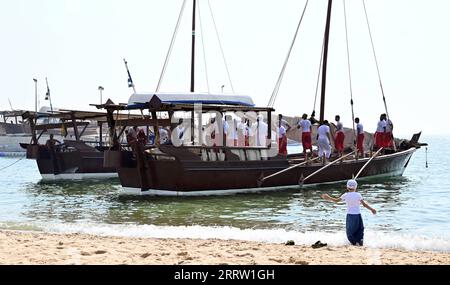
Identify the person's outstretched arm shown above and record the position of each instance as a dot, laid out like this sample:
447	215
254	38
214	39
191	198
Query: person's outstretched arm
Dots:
367	206
331	199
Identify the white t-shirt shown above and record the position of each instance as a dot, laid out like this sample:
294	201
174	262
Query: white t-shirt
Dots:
381	125
260	133
353	201
339	127
360	129
323	131
283	123
282	131
305	125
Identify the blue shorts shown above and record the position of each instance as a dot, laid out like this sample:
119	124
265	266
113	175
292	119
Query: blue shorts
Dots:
355	229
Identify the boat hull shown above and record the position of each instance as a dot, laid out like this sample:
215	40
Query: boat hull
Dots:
175	178
70	165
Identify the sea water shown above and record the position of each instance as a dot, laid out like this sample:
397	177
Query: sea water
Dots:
413	210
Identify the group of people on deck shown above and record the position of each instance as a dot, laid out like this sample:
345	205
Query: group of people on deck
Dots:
383	136
134	134
236	132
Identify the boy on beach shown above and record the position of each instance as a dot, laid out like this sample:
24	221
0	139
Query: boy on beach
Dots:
354	223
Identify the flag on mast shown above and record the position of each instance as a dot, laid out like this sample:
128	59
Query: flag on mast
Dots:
47	96
130	80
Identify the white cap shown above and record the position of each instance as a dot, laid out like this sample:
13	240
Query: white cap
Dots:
352	184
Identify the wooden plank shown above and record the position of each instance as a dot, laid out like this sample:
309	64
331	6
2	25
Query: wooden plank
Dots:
143	122
58	126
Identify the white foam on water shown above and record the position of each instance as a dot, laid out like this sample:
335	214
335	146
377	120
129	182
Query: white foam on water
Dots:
276	236
273	236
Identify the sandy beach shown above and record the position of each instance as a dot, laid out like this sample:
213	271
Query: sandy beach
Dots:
37	248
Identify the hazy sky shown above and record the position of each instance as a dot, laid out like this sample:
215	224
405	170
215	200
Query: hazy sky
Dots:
80	44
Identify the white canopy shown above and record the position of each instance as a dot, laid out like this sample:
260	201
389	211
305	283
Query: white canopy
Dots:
192	98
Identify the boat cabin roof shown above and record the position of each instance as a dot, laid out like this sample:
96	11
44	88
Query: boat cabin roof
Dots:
176	102
136	100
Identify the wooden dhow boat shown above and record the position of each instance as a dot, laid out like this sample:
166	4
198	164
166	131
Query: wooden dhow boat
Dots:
195	167
225	145
79	155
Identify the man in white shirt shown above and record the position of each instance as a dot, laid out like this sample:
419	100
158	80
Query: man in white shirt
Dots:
284	123
340	136
381	132
282	141
305	125
178	134
323	140
389	137
360	136
260	130
242	133
230	131
212	134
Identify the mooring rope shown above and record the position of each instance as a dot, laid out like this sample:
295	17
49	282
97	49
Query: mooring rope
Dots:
8	166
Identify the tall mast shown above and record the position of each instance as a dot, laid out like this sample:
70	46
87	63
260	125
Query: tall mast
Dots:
325	61
193	49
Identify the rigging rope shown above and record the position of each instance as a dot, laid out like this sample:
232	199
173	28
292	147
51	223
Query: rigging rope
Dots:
318	77
8	166
203	46
169	52
349	72
376	60
378	69
220	45
283	70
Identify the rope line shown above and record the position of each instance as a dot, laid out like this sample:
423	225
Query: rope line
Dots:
378	67
283	70
172	43
318	76
349	73
221	47
8	166
376	59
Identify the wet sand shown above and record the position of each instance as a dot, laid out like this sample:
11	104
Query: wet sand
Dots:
36	248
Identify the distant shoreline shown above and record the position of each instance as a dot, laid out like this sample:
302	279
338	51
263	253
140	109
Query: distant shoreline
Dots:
39	248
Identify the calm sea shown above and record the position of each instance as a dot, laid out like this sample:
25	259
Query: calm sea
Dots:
414	210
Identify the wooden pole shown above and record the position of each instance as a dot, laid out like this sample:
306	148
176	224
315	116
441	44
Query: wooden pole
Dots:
284	170
193	48
325	62
327	166
368	162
